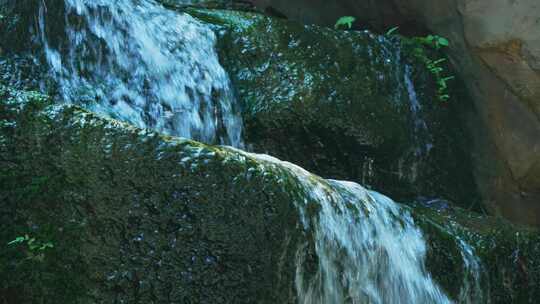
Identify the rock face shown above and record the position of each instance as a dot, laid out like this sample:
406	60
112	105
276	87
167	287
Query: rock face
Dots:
15	20
352	106
495	45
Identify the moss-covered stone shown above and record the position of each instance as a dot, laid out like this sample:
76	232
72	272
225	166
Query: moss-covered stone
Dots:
14	22
142	218
508	256
347	105
136	217
333	102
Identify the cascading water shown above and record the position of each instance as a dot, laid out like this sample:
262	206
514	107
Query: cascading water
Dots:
377	258
368	248
139	62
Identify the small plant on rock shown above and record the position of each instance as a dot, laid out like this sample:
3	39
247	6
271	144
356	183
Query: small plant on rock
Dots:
435	66
344	22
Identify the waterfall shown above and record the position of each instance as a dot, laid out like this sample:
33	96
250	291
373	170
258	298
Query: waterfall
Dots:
373	258
369	249
136	61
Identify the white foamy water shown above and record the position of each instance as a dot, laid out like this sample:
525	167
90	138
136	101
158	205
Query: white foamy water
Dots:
138	62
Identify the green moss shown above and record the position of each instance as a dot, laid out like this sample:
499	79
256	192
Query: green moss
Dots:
236	19
26	188
17	18
337	104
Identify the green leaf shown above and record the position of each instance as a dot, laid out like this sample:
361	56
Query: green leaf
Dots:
17	240
448	78
346	21
443	41
46	245
438	61
392	30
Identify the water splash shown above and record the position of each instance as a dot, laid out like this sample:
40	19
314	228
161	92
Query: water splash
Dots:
139	62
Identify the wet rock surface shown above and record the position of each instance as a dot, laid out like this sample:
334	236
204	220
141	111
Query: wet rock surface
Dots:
134	216
346	105
490	255
138	217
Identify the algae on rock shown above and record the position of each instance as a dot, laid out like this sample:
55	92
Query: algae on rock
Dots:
344	105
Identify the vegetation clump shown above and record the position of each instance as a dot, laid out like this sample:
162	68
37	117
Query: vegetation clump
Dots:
424	49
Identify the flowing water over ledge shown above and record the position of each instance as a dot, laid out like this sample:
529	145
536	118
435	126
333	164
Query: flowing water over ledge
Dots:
220	205
141	63
369	249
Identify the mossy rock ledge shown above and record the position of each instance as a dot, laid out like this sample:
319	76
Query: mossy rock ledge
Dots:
502	260
137	217
213	4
